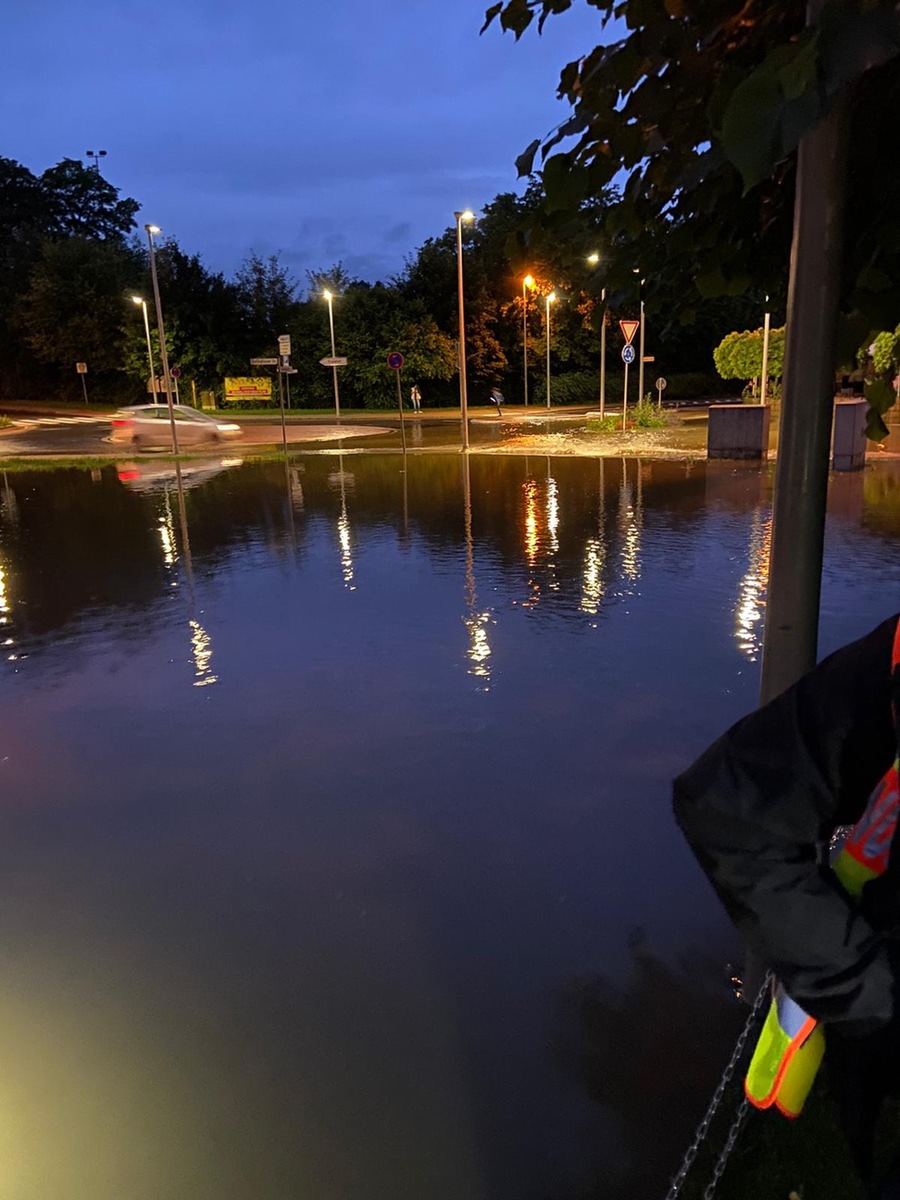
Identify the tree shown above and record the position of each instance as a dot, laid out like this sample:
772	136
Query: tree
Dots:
739	355
700	106
73	308
82	204
266	296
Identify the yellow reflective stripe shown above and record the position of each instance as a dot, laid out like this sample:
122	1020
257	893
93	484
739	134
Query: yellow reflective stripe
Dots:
852	874
762	1074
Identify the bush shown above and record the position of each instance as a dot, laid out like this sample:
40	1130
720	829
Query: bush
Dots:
647	416
611	424
577	387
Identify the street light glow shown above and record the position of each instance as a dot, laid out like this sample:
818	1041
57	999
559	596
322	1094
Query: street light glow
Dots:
326	295
529	281
467	215
153	229
137	299
551	297
593	259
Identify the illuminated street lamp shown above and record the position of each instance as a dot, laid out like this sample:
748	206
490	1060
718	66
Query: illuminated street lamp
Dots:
527	282
465	215
328	297
550	297
151	230
593	259
143	303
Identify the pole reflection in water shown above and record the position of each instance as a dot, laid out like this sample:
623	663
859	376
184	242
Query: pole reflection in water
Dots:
552	527
341	480
748	628
478	651
631	523
200	640
592	585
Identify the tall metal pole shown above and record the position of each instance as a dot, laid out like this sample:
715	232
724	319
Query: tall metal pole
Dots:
641	363
337	394
463	397
547	331
151	229
603	355
801	477
764	371
149	349
525	334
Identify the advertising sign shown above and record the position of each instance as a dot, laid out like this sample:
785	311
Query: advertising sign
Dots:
245	387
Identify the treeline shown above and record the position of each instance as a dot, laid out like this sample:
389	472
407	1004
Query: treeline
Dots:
71	259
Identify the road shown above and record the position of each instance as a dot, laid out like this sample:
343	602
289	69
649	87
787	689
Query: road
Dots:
90	435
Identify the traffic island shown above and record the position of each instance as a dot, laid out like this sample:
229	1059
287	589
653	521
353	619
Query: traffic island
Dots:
738	431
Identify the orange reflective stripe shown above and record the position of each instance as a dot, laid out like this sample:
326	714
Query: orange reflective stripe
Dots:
869	842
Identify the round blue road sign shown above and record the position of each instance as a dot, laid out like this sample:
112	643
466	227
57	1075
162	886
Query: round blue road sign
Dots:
628	354
395	360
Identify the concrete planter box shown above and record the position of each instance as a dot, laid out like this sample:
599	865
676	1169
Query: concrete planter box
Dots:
848	443
738	431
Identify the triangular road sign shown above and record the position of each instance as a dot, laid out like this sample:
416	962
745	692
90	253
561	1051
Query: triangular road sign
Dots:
629	329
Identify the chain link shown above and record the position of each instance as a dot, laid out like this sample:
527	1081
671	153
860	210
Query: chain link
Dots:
703	1128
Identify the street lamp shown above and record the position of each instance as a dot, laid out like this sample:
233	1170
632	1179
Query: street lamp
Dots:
763	383
527	282
593	259
143	303
551	296
637	271
465	215
328	297
151	230
96	155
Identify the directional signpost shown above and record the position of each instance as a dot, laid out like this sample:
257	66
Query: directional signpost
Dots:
263	362
395	362
81	368
629	329
337	361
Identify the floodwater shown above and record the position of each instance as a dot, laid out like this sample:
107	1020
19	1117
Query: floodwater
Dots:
337	852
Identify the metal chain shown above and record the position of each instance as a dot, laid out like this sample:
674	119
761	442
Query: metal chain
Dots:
730	1143
703	1128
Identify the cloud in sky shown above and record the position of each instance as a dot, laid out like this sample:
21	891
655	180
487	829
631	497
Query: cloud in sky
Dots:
319	130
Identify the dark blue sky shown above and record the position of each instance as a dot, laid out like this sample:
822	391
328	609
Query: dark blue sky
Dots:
319	130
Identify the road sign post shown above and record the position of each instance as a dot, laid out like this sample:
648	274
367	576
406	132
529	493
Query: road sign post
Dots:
628	356
395	362
661	385
629	329
263	362
81	368
337	361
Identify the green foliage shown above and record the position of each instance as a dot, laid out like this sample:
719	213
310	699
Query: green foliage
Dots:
739	355
699	108
647	416
576	387
611	424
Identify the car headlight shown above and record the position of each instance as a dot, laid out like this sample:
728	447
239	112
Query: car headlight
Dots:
228	428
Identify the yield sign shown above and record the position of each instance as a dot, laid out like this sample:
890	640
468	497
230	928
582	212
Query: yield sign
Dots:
629	329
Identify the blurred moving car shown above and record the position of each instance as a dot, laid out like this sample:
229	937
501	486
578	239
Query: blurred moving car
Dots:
147	425
154	475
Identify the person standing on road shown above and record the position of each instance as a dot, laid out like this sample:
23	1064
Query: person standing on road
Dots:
416	397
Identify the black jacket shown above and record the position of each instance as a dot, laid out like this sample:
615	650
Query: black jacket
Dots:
759	808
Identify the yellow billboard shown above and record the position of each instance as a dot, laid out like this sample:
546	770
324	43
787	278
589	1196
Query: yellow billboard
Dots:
245	387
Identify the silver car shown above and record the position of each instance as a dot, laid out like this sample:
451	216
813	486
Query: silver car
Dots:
147	425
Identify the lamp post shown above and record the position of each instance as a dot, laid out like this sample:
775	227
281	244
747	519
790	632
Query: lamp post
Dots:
637	271
550	297
764	373
328	298
593	259
465	215
143	303
151	230
96	155
527	282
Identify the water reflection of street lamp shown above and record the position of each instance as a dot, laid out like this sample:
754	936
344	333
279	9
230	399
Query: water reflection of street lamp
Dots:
548	300
479	649
465	215
143	303
527	283
328	297
151	230
595	557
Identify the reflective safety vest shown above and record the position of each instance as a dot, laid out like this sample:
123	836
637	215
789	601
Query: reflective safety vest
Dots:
791	1042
